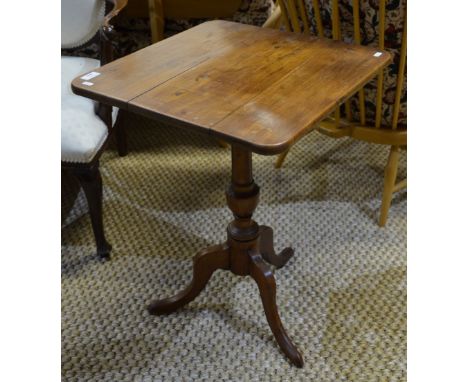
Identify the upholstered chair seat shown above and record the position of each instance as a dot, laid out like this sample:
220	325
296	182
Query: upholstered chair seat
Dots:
83	131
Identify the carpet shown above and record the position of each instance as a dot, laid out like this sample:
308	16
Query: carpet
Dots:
342	297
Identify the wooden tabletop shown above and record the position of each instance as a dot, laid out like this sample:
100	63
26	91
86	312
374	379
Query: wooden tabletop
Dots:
256	87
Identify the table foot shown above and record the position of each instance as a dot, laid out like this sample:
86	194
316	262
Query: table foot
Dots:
268	252
267	287
204	264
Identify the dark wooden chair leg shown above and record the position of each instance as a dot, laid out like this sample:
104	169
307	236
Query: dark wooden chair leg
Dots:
121	135
91	181
121	138
267	250
204	264
267	287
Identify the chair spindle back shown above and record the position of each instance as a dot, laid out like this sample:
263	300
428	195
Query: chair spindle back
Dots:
294	17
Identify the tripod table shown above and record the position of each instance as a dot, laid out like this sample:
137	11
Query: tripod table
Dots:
258	89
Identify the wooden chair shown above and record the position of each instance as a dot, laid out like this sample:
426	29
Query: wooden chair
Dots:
86	126
293	15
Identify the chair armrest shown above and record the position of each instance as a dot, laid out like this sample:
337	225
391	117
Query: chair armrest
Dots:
107	31
118	6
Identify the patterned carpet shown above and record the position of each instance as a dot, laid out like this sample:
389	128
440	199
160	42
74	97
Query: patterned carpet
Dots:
342	297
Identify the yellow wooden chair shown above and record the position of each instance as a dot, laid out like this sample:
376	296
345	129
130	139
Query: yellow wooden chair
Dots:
292	14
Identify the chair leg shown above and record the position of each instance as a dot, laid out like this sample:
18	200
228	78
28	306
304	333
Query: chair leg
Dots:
120	134
281	158
121	137
91	181
389	183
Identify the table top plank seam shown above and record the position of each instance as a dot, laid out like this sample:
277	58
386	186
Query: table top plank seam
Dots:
169	79
209	129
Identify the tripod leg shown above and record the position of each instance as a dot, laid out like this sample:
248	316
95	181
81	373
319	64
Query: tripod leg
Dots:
267	287
268	252
204	264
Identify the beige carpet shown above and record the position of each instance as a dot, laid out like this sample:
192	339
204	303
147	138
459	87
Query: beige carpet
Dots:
342	297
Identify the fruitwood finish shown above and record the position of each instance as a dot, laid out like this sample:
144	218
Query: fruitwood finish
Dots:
259	90
256	87
293	17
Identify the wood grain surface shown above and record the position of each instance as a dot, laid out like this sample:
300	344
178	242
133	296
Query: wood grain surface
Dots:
256	87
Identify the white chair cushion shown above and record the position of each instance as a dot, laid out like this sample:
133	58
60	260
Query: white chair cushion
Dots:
83	132
81	19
